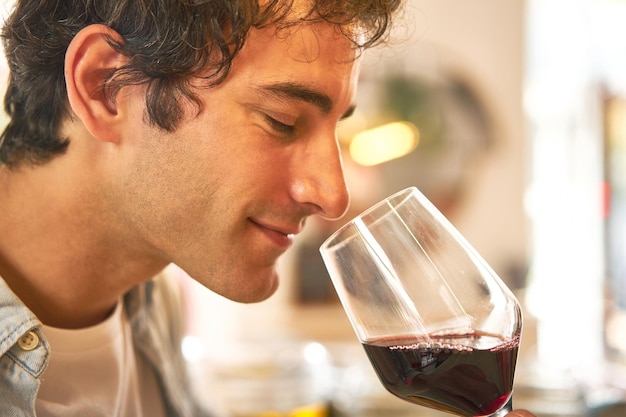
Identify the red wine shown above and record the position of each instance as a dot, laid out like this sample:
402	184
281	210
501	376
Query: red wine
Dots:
453	373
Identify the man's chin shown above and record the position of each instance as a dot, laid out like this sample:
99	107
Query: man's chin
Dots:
247	290
260	293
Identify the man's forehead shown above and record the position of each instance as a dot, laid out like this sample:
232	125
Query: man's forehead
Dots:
305	42
294	9
299	13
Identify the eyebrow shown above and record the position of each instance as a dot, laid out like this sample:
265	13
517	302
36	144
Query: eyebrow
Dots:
289	90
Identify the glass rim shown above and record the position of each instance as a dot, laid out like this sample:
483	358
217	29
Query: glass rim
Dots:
329	242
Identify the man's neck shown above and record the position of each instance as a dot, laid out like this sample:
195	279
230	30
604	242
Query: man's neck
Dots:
55	252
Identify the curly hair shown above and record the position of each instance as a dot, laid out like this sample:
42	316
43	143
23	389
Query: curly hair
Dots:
167	43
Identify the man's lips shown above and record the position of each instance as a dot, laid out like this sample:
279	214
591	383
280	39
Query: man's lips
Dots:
279	235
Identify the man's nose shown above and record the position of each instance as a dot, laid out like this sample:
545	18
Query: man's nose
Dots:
320	180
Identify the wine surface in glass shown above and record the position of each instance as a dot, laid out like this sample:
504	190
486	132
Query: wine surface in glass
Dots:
449	372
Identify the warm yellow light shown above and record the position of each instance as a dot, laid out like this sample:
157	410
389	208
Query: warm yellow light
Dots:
384	143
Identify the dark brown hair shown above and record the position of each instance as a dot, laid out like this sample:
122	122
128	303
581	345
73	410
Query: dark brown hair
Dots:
167	43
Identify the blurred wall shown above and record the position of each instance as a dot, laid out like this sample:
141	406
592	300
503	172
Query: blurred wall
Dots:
483	41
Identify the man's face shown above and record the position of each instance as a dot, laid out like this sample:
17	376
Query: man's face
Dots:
222	195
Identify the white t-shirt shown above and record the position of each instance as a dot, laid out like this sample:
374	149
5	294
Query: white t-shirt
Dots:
95	371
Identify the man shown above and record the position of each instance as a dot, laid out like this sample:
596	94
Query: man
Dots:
150	132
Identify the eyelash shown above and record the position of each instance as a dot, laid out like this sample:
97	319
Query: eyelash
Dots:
279	126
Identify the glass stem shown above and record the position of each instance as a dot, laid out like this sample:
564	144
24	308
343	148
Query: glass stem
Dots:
508	407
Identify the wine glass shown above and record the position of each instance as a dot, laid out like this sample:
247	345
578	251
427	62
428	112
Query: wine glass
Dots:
438	325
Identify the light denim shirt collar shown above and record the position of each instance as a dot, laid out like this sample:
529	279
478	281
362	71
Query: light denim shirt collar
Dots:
156	334
21	364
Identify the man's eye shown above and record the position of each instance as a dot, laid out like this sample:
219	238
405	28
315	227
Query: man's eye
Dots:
279	126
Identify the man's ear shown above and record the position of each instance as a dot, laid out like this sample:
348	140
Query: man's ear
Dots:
89	60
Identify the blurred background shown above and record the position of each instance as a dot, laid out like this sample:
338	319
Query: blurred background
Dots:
511	117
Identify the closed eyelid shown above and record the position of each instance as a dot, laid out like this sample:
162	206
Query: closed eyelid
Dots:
277	125
348	112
